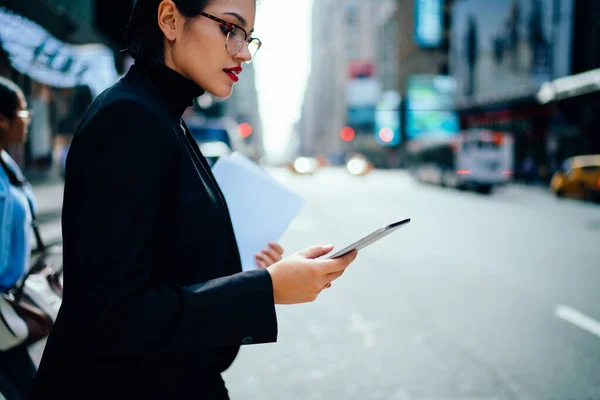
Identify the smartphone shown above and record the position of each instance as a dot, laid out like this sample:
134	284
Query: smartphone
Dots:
370	238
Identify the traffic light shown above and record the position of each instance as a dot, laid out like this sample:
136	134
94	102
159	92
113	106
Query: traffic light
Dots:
347	134
245	130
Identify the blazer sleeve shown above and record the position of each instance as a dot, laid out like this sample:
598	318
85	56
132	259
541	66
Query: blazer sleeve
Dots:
119	164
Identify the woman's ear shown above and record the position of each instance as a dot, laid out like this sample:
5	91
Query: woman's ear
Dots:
167	19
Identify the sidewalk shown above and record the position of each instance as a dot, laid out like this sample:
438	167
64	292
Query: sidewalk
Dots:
48	191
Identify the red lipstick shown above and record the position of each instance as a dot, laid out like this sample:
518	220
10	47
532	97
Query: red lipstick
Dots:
233	73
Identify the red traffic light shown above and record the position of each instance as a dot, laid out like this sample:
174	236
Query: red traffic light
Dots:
245	129
347	134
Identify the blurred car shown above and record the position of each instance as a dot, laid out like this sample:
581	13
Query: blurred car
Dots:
477	159
212	150
578	177
213	138
358	165
304	166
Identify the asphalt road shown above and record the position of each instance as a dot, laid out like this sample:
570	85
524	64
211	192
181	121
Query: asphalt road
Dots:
479	297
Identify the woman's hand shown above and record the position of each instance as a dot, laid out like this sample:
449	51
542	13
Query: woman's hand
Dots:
270	256
300	278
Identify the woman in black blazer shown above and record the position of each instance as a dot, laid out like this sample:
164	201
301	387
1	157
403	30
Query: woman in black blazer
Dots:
155	304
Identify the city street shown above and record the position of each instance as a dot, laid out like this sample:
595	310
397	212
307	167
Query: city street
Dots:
460	304
489	293
479	297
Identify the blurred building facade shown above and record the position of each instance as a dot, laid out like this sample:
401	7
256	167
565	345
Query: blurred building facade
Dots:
319	113
67	51
511	58
526	67
388	49
344	58
359	73
413	58
421	60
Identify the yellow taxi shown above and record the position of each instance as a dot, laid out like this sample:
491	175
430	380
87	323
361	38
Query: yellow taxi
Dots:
578	177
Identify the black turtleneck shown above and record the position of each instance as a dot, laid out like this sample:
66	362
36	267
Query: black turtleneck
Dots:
155	302
178	91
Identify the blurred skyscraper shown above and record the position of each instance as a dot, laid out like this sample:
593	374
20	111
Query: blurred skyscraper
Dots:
344	48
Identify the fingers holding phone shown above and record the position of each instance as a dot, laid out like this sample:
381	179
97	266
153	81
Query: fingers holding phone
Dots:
301	277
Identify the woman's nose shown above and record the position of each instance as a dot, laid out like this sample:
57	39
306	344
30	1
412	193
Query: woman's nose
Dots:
244	53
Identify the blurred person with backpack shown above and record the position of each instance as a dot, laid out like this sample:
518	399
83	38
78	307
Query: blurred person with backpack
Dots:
17	369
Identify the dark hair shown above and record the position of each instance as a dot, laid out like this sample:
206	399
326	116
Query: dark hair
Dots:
9	98
145	41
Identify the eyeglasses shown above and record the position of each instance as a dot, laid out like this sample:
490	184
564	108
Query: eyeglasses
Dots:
25	114
236	36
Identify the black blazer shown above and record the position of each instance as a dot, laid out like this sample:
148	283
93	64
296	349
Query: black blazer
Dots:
155	304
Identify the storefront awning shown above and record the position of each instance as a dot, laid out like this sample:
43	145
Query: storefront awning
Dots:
558	89
498	98
35	52
570	86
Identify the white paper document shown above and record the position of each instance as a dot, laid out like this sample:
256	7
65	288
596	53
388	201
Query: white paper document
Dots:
261	208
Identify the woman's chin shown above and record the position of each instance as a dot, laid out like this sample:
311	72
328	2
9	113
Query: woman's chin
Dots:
221	91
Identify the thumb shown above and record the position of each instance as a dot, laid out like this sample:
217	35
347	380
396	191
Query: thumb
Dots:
316	251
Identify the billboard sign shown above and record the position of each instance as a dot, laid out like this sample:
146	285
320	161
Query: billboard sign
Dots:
509	45
430	108
36	53
362	93
387	119
429	27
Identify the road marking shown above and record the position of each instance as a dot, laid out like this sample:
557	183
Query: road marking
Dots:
578	319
